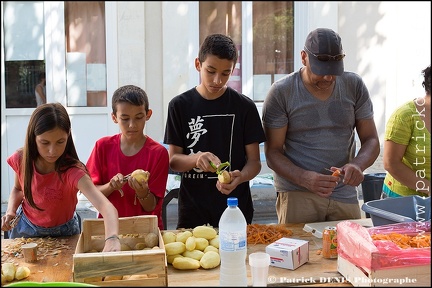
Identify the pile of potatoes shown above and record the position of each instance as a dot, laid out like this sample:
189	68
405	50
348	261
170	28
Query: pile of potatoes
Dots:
130	242
188	250
10	272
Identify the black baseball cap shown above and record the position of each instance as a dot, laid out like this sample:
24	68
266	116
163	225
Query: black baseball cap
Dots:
324	48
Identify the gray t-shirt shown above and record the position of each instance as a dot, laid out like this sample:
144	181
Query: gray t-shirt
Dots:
320	133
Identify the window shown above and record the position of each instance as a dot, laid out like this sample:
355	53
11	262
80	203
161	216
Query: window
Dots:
24	46
225	18
273	39
273	44
85	54
24	51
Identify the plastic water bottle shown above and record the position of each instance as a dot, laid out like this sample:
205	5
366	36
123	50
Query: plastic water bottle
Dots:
232	245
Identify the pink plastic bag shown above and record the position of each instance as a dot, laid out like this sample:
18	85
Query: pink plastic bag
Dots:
356	245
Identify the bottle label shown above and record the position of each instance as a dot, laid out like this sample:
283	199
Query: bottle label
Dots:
232	241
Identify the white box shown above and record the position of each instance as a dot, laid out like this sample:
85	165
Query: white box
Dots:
288	253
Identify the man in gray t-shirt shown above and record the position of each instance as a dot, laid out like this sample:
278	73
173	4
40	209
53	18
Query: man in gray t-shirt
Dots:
310	118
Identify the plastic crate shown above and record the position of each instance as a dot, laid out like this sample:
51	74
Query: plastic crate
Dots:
397	210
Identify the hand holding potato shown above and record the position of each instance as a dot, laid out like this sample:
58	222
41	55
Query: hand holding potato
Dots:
139	179
223	175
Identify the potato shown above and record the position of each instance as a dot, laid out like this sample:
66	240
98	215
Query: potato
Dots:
186	263
210	260
151	240
22	272
211	248
3	279
182	236
125	247
195	254
8	270
140	175
140	246
215	242
170	258
224	177
175	248
190	243
168	237
203	231
201	243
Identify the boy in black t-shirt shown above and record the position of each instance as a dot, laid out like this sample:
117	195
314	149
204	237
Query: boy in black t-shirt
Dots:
213	123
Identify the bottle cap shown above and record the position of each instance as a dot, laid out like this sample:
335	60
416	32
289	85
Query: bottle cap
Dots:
232	201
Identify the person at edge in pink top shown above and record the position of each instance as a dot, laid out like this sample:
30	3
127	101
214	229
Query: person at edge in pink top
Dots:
114	157
48	176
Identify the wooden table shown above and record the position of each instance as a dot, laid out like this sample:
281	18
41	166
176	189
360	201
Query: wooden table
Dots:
317	272
52	268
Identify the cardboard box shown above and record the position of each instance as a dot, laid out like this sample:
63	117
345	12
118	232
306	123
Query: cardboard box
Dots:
147	267
288	253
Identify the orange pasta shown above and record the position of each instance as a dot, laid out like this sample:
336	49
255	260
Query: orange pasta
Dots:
266	234
405	241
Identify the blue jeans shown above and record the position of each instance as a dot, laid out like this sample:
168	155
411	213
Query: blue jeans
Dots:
24	228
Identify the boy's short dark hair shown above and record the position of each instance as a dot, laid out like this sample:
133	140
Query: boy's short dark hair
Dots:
131	94
218	45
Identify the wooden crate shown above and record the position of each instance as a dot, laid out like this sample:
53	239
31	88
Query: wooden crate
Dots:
149	267
409	276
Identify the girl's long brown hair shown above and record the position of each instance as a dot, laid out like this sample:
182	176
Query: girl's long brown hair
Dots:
45	118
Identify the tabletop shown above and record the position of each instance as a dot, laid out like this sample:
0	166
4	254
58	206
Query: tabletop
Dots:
55	258
318	271
56	266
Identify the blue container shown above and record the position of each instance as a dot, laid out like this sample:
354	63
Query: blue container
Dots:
398	210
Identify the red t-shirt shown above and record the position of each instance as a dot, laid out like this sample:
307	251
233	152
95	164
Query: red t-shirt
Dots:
107	159
57	197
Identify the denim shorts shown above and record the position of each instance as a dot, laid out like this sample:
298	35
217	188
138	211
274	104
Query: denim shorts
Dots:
24	228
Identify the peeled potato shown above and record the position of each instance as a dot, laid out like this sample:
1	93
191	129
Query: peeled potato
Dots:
8	271
224	177
210	259
168	237
22	272
140	175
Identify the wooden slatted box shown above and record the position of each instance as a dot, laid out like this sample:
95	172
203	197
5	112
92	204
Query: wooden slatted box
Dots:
148	267
410	276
